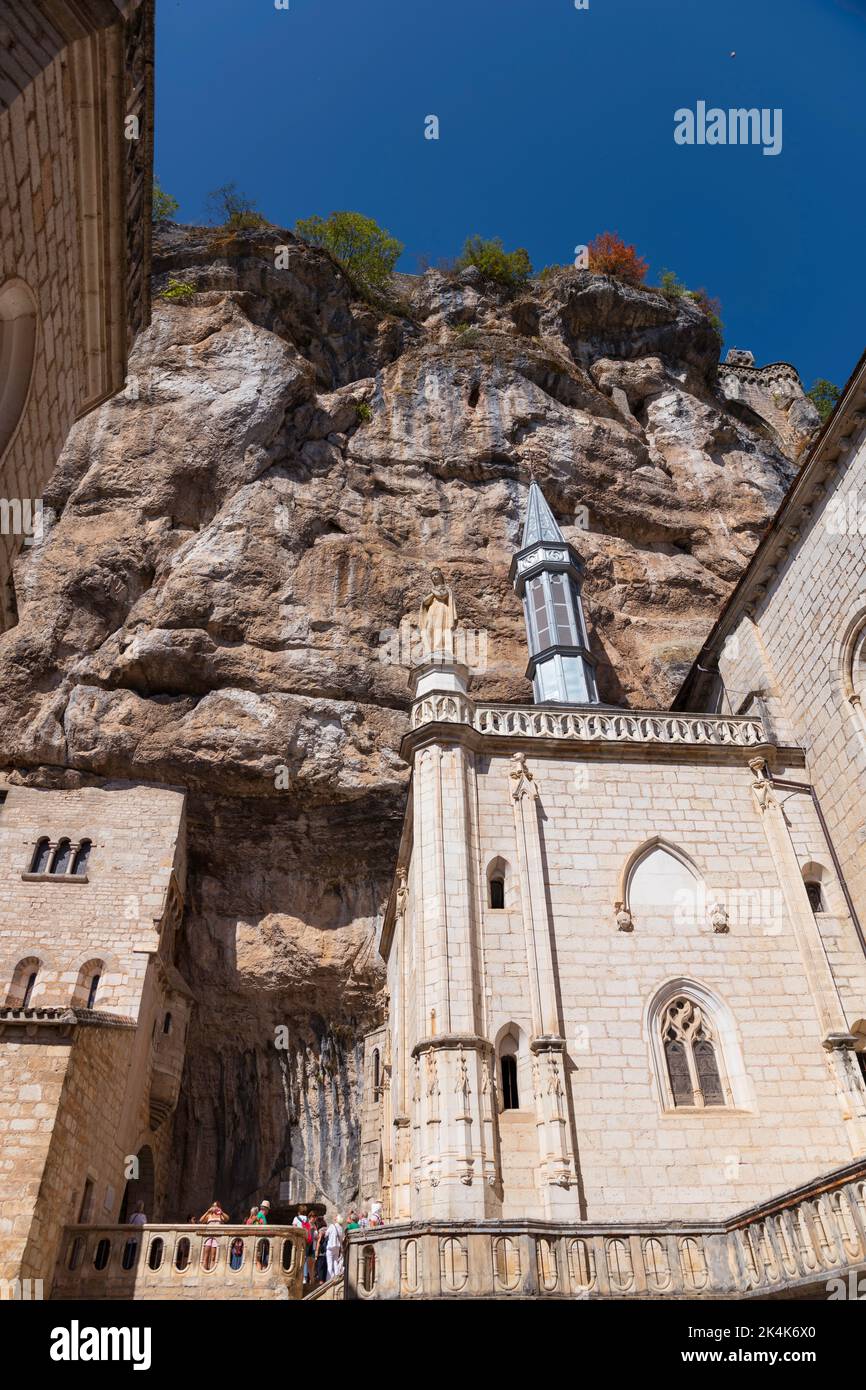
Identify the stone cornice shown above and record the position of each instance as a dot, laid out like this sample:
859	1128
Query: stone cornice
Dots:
61	1019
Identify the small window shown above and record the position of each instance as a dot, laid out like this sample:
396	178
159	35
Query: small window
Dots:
155	1254
86	1209
497	892
263	1254
377	1078
62	855
510	1100
166	1024
236	1254
91	993
41	857
24	979
82	855
288	1255
76	1250
181	1254
130	1253
815	896
103	1250
368	1268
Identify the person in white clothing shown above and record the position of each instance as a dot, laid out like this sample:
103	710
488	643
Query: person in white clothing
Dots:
334	1247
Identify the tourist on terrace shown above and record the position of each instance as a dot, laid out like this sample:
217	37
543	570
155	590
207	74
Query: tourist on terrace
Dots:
214	1214
334	1245
253	1217
138	1217
321	1251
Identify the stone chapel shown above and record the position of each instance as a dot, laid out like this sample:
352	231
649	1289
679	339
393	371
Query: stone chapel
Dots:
626	969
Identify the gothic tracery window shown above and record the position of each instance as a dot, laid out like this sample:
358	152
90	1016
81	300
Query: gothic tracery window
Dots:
690	1055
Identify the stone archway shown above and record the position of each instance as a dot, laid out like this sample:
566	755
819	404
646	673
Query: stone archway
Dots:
140	1189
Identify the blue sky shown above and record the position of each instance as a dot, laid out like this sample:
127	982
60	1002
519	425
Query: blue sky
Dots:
555	124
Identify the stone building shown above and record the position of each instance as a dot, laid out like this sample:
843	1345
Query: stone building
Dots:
626	971
93	1012
76	143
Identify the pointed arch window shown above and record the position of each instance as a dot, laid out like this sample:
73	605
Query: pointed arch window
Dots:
690	1055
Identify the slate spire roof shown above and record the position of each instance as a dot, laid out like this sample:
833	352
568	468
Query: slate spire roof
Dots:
540	524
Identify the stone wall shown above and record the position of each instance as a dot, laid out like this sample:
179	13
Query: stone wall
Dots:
74	227
764	975
84	1089
801	644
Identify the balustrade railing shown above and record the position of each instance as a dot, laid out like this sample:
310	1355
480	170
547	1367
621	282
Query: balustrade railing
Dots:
591	724
806	1242
171	1261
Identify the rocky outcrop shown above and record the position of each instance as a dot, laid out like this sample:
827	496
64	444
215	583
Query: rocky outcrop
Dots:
230	546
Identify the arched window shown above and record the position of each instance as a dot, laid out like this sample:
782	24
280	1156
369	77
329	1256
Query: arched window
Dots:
23	983
87	985
166	1023
41	856
498	881
377	1079
815	896
82	856
62	854
509	1053
660	880
690	1054
508	1067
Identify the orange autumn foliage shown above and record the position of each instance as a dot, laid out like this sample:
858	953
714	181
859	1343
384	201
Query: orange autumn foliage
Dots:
609	255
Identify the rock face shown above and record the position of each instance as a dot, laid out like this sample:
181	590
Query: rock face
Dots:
230	546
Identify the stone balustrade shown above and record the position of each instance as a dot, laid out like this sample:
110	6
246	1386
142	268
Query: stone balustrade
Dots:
590	724
168	1262
797	1243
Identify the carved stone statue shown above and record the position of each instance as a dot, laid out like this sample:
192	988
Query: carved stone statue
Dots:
719	918
437	617
624	919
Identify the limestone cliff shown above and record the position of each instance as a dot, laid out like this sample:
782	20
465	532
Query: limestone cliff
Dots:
230	545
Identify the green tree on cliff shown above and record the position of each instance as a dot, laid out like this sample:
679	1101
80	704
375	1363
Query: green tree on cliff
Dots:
824	396
494	262
359	244
163	205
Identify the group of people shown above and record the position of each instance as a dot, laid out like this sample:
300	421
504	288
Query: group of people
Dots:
325	1240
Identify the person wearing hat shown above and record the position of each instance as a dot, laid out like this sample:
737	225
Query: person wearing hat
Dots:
264	1213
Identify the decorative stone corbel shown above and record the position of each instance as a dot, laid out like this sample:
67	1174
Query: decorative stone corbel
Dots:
719	918
624	919
762	788
522	781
